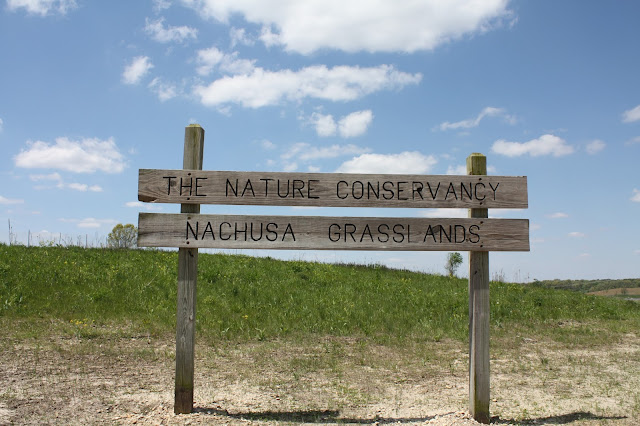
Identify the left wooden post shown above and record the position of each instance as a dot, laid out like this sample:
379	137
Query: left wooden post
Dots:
187	284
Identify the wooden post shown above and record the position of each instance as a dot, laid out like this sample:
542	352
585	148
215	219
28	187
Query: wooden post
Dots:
478	313
187	280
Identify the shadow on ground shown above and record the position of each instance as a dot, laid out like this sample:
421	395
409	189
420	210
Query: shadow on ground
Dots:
563	419
313	416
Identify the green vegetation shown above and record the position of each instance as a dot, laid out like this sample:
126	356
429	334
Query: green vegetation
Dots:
454	260
588	286
122	236
245	298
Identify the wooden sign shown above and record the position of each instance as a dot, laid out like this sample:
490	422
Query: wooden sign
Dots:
331	189
331	233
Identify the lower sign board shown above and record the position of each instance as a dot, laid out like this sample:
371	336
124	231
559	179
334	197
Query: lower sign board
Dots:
331	233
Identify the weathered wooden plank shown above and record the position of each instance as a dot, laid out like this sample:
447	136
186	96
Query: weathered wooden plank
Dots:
331	189
331	233
187	287
479	390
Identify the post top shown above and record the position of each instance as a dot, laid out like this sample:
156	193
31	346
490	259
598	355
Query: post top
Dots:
194	125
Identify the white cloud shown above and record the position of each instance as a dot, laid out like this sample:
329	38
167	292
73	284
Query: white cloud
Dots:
636	196
595	146
341	83
544	145
305	152
558	215
146	206
576	235
350	25
84	156
355	124
267	145
163	90
160	5
239	36
1	124
90	222
157	31
444	213
8	201
42	7
633	141
138	68
457	170
631	115
51	176
475	122
228	63
59	183
404	162
83	187
325	124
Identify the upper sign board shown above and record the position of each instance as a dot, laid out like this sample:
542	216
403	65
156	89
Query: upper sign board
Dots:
331	189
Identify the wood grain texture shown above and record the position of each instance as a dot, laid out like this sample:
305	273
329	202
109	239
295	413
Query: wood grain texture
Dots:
479	382
187	288
331	233
331	189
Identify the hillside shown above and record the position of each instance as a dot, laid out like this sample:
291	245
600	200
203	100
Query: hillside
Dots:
602	287
88	337
247	298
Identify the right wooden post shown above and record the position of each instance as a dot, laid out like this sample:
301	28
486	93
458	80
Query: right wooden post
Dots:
478	313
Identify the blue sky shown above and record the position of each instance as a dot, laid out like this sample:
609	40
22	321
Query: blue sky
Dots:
90	92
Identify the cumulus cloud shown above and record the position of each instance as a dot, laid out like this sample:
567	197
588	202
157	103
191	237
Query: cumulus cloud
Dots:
636	196
8	201
457	170
138	68
325	124
404	162
83	156
557	215
305	152
145	206
595	147
351	26
229	63
158	32
544	145
631	115
341	83
444	213
162	89
42	7
90	222
349	126
576	234
239	36
355	124
475	122
83	187
633	141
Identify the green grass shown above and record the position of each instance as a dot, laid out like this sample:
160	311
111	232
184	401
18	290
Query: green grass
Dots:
245	298
586	286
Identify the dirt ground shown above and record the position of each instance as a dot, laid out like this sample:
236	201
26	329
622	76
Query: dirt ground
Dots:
124	380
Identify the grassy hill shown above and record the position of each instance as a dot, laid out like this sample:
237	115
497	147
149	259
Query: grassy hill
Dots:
241	297
626	288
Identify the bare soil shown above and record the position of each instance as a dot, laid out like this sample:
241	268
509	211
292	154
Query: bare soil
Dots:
123	380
